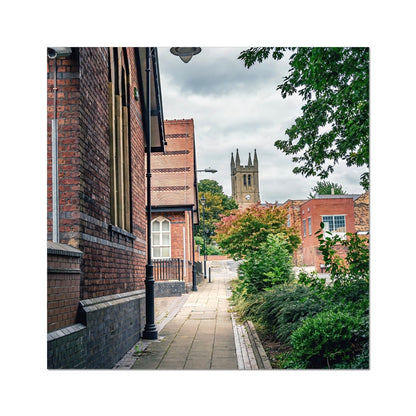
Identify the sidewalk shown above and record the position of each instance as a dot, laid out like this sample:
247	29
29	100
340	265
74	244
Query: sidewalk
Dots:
200	336
198	331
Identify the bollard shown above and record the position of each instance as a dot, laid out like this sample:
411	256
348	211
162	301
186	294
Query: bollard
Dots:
209	274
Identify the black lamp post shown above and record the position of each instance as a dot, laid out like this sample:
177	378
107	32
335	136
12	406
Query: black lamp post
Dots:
203	200
150	330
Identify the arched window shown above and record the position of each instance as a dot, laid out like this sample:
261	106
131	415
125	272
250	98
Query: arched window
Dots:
244	180
118	76
161	238
249	180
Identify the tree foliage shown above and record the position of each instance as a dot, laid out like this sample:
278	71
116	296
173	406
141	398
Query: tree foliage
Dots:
243	232
355	266
269	266
334	125
326	188
217	204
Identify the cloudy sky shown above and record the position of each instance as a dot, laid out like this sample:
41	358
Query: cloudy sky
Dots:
235	107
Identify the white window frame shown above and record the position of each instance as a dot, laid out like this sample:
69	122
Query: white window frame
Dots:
310	225
161	233
333	231
304	227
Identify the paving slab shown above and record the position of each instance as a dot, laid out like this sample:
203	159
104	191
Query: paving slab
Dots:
200	336
198	331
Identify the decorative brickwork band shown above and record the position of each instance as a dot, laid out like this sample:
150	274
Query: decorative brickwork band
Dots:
170	188
171	170
176	136
172	152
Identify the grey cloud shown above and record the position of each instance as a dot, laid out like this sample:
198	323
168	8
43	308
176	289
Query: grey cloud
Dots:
218	71
234	107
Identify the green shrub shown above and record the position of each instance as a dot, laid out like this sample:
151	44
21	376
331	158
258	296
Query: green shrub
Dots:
356	264
269	266
246	305
350	293
285	307
328	340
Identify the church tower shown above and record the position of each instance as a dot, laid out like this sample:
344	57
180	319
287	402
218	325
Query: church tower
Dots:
245	181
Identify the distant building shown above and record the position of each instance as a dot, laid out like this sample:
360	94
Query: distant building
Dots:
175	203
362	214
245	181
340	214
294	220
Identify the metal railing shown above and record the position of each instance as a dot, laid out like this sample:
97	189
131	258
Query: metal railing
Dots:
168	269
199	268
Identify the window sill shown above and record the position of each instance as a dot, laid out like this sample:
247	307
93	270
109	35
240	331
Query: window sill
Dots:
342	235
118	230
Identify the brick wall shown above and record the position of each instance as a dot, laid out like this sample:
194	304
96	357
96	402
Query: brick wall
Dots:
67	348
173	173
64	276
362	213
113	260
315	209
293	211
112	323
69	158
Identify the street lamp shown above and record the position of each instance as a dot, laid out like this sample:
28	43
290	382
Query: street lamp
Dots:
185	54
203	201
207	170
150	330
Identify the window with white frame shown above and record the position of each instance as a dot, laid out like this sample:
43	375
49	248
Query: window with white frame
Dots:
334	223
304	227
161	238
310	225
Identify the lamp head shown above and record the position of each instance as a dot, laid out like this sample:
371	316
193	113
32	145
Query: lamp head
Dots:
185	54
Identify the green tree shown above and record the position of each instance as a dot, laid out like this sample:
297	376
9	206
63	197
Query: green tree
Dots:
217	204
243	232
326	188
269	266
334	126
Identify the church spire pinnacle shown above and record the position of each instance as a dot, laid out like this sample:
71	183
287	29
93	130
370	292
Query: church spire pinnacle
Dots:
250	163
232	161
237	159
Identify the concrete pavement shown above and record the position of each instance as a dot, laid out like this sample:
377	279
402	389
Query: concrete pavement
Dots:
199	331
200	336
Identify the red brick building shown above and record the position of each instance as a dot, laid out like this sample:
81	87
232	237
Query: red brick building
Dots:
337	214
175	203
294	220
340	214
96	201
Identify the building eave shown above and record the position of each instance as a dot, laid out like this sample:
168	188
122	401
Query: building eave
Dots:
158	141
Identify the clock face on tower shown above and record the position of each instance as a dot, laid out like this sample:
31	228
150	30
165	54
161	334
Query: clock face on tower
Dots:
248	197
